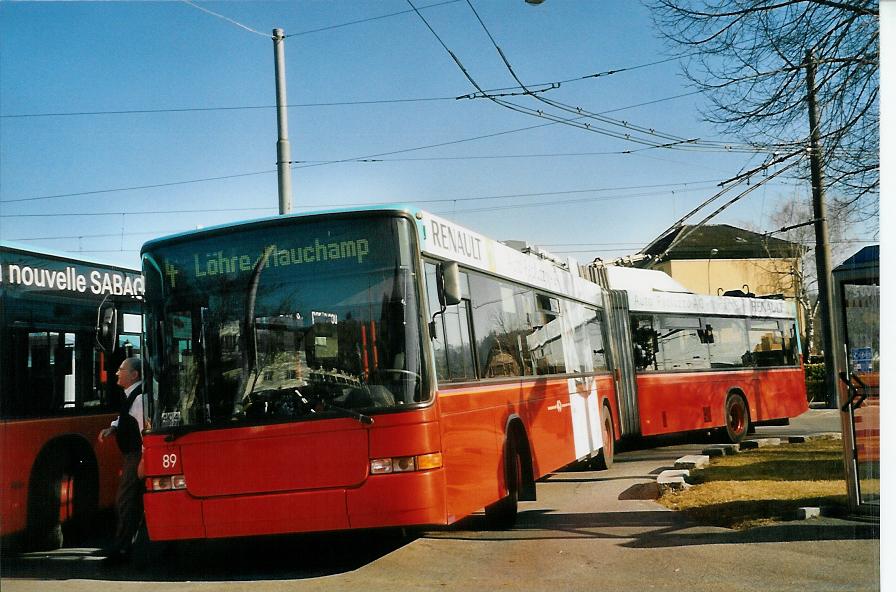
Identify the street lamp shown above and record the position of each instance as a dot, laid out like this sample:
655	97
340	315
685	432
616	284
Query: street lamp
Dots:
712	253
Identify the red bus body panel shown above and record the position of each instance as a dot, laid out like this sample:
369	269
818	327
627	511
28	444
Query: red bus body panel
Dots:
314	476
274	458
294	477
679	402
21	443
474	423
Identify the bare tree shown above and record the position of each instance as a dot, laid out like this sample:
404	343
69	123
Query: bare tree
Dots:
749	58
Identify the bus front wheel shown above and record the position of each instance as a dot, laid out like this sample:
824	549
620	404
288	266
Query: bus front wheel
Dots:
502	514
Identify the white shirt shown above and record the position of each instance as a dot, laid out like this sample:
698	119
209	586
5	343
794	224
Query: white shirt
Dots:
136	410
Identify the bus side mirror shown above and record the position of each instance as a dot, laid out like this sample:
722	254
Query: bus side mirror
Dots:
449	283
448	289
107	326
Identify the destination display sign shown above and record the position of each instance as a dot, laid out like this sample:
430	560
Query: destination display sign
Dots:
22	272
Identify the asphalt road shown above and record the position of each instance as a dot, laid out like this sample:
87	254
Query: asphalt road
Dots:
587	531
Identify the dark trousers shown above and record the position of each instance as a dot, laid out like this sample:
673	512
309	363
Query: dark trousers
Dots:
129	503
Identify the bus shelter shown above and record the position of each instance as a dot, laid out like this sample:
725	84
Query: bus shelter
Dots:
857	306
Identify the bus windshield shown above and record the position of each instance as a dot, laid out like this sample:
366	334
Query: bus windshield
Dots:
283	321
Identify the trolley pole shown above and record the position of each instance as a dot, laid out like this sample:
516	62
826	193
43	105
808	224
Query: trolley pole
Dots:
822	244
284	174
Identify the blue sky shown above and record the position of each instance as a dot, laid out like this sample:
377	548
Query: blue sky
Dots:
204	89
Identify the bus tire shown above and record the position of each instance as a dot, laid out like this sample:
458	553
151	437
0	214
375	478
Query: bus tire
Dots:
501	515
49	489
604	459
63	491
737	418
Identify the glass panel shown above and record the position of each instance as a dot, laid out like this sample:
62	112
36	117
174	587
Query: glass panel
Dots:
68	367
644	344
131	323
766	343
451	341
596	340
863	348
502	316
683	348
49	373
728	346
791	342
589	353
284	322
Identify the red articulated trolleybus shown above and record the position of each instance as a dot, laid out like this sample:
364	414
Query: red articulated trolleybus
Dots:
376	368
58	389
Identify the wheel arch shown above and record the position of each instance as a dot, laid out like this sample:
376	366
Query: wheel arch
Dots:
738	392
738	435
515	431
67	452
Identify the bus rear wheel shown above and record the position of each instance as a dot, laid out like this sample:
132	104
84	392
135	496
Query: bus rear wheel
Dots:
604	458
737	418
61	494
501	515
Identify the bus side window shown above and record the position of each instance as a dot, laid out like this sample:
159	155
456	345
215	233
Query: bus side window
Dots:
50	373
644	346
451	341
766	343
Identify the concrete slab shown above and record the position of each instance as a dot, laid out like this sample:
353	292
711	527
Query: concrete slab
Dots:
808	513
759	443
672	480
720	450
692	461
813	437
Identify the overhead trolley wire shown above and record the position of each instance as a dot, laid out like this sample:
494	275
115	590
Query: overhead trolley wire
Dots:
727	185
686	187
684	234
367	20
670	141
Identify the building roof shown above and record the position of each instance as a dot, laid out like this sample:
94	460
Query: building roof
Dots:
869	255
731	242
864	265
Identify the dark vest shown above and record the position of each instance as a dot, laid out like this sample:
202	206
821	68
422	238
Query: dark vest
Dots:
127	434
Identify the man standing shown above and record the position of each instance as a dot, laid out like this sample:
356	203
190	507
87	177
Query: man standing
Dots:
128	429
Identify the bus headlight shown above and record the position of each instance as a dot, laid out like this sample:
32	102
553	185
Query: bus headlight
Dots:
166	483
405	464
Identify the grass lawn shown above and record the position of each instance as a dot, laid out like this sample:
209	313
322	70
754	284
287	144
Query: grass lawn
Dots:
764	485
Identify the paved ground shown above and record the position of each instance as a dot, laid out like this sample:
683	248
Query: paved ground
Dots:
587	531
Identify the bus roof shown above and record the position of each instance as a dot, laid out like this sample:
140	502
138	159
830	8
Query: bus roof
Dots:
276	219
6	245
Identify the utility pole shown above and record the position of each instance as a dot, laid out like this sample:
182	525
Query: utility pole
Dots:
284	174
822	244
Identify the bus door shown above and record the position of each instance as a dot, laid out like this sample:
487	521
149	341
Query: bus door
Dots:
621	362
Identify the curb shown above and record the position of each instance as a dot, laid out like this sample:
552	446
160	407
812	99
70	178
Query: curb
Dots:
673	480
822	436
676	479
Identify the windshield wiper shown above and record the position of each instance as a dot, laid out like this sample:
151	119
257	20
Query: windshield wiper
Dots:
365	419
249	351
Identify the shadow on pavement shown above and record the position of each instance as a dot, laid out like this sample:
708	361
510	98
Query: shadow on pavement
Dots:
653	529
268	558
804	530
